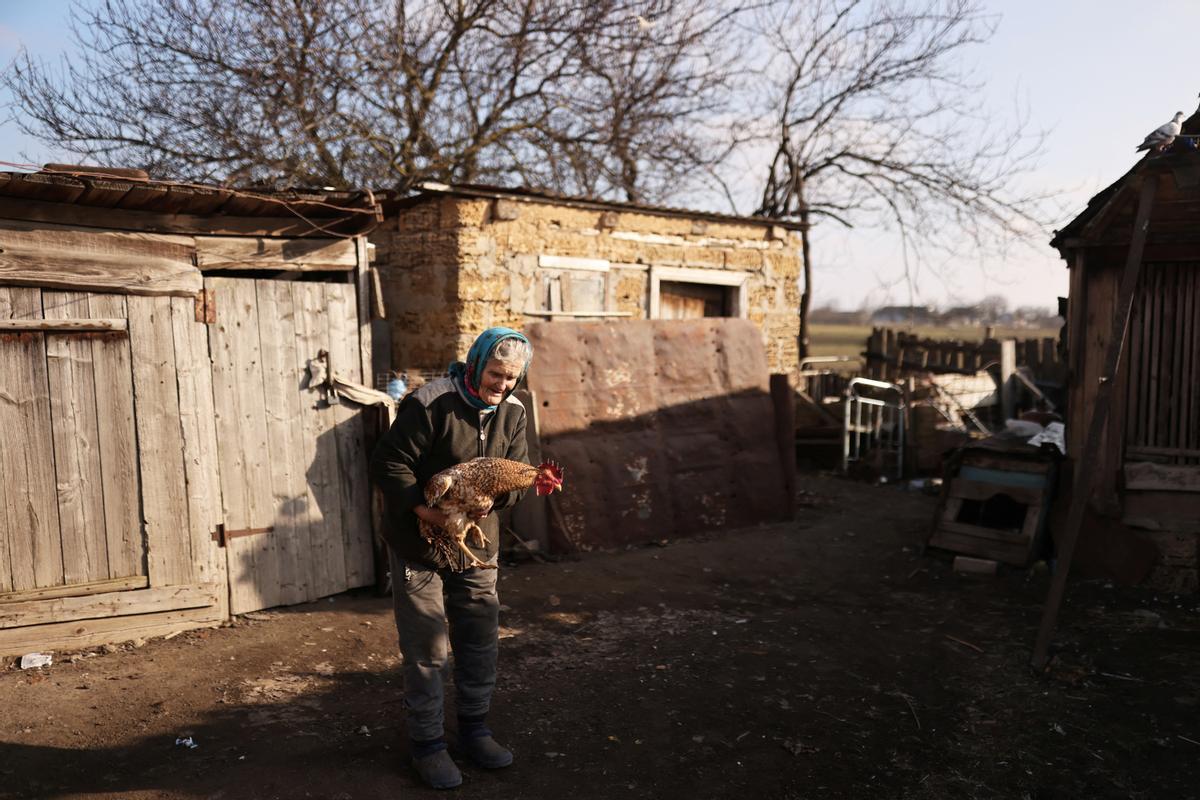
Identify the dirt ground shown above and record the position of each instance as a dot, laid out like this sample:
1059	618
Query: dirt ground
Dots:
823	658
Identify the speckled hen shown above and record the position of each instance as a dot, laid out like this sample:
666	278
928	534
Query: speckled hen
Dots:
466	492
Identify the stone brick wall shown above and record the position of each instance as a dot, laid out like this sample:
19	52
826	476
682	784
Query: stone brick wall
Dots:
452	266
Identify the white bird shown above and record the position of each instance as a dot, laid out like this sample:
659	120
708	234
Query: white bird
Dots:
643	23
1161	137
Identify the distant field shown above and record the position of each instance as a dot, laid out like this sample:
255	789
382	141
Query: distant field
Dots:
851	340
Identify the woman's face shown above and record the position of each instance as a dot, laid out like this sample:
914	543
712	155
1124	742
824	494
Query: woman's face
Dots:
498	379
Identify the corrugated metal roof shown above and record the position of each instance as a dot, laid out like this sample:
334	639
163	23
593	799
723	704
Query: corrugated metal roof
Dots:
427	190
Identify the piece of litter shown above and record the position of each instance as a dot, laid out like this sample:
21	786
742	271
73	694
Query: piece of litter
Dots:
172	635
187	742
36	660
364	730
740	621
553	755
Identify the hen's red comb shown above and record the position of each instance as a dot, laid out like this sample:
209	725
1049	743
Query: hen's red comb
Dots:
554	468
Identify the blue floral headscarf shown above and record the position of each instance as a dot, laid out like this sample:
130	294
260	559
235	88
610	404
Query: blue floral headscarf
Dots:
466	373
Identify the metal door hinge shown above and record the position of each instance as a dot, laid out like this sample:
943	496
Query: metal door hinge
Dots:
206	306
222	536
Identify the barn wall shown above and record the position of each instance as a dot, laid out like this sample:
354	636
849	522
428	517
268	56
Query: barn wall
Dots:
453	266
1165	518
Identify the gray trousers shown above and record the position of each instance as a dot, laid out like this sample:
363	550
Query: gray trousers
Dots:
425	600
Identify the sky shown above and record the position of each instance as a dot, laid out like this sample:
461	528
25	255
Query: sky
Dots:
1096	76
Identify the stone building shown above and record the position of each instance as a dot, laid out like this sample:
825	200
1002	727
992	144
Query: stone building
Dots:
454	260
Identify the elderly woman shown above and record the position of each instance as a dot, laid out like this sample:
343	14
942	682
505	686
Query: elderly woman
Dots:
468	414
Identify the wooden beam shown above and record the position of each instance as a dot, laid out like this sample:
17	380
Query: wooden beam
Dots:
1092	444
215	253
205	224
64	257
103	606
77	634
77	590
1146	476
63	325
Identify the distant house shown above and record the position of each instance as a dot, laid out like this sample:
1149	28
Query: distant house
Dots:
962	316
903	315
454	260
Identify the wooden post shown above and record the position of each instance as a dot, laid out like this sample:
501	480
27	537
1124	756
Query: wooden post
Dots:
1008	385
784	401
1082	489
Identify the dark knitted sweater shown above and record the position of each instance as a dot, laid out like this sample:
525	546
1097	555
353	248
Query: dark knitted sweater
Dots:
436	429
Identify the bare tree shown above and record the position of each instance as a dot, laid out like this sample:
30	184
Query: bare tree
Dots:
873	118
570	94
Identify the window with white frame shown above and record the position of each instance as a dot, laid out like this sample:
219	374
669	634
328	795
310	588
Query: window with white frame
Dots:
688	293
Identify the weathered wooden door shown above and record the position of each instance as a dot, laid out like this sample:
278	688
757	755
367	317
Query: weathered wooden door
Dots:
692	301
292	464
69	486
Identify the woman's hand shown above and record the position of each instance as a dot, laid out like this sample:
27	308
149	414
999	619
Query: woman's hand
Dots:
430	515
480	513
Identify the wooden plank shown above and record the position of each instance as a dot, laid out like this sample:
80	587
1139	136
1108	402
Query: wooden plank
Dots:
63	325
984	532
30	515
110	604
89	633
242	443
118	443
980	490
160	442
366	280
1003	463
327	560
1016	553
354	484
1146	476
1097	422
297	255
280	382
1183	374
1193	440
76	437
1154	401
171	223
74	258
197	423
78	590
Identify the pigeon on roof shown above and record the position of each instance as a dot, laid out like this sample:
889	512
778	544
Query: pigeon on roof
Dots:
1161	137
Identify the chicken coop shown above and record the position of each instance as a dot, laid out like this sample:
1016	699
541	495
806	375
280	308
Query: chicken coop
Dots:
454	260
1148	475
172	450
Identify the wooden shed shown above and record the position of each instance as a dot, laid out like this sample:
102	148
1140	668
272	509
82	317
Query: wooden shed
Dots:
168	456
1148	473
457	259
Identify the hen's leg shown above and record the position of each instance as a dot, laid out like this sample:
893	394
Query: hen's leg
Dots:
480	536
475	562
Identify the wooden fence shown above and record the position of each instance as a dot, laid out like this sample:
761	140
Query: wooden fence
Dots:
892	355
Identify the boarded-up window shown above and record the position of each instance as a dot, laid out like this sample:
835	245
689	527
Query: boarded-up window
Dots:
575	292
1162	421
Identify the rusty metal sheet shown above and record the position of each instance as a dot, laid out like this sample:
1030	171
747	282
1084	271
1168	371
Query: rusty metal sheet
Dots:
666	428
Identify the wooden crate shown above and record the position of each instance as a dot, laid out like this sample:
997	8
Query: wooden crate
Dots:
973	483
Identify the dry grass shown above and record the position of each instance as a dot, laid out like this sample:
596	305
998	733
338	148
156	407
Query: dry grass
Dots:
849	340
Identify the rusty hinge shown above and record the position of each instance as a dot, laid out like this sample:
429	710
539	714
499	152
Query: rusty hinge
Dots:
222	536
206	306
